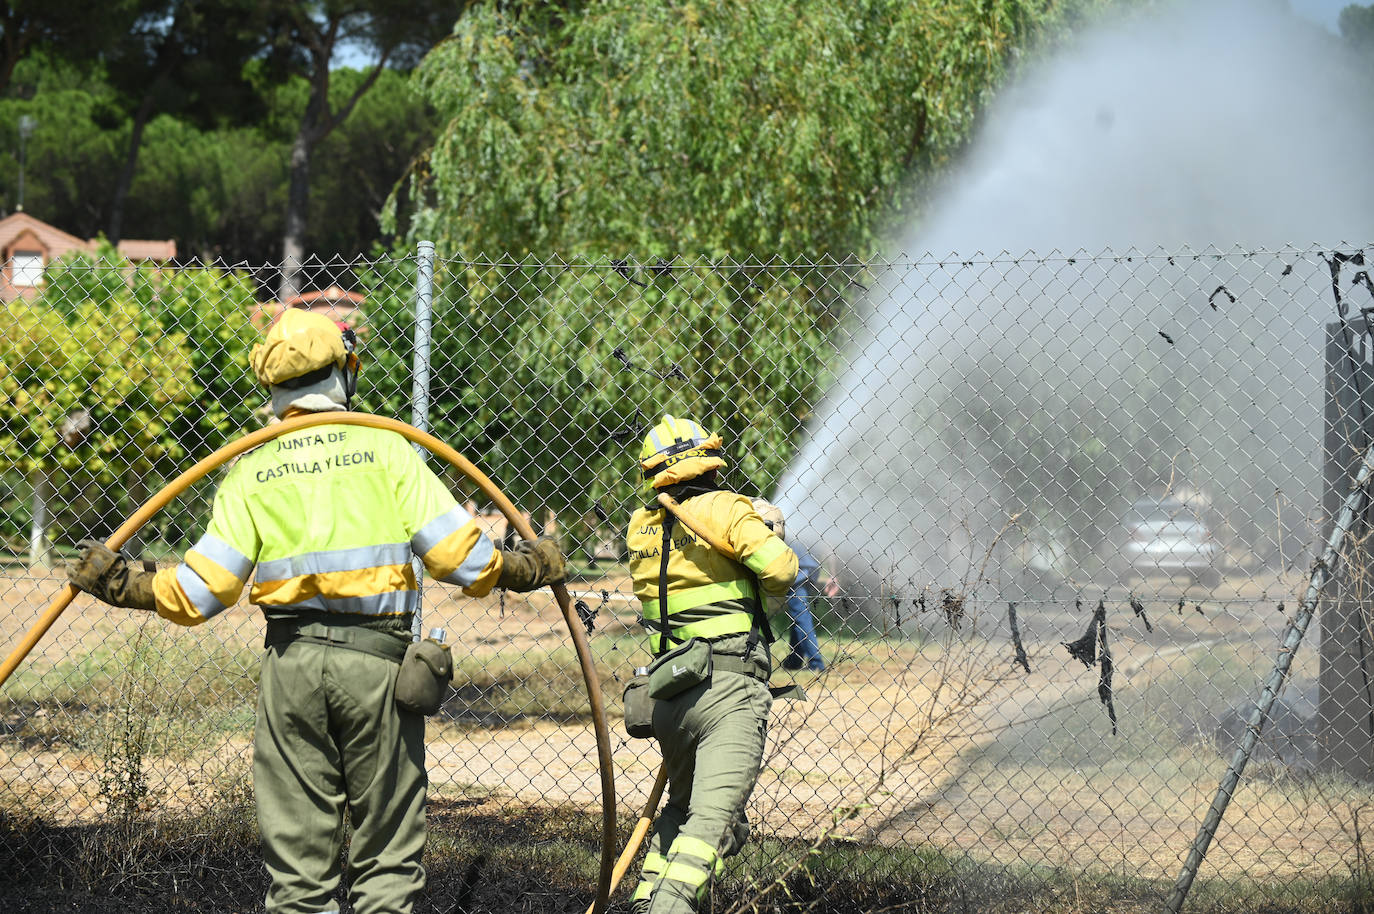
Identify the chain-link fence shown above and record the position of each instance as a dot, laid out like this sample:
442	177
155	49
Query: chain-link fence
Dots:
1063	508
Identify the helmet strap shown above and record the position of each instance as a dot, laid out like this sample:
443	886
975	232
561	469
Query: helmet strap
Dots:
350	381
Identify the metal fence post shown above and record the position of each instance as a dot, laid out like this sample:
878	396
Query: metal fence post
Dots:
419	391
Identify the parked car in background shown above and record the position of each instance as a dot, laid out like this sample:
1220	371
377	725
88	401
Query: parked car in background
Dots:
1169	536
1039	562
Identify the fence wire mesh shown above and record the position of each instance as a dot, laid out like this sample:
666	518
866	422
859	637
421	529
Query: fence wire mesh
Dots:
1062	508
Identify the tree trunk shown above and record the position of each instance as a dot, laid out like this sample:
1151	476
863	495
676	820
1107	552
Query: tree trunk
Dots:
297	205
316	123
38	524
126	174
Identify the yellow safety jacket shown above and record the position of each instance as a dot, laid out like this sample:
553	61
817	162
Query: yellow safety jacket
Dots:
709	594
330	515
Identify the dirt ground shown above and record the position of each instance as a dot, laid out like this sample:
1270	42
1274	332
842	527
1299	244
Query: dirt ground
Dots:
924	737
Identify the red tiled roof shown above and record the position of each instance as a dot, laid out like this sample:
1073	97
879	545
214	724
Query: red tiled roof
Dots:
331	296
136	250
22	233
56	241
334	303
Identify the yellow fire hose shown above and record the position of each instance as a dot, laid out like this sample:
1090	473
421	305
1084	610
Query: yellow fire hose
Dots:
696	526
464	466
641	829
646	818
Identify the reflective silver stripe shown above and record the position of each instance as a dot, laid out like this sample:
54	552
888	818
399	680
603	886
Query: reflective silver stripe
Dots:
472	566
393	603
224	555
434	532
697	435
205	602
354	559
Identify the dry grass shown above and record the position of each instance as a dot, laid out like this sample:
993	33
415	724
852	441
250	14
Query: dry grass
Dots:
972	777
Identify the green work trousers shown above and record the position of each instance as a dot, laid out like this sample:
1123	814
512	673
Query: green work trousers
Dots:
330	739
712	738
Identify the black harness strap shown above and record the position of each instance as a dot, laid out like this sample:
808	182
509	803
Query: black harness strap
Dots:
760	620
668	519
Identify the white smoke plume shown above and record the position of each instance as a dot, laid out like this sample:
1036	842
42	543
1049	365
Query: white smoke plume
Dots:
1003	369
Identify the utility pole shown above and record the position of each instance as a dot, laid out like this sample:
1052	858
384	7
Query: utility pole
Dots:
26	124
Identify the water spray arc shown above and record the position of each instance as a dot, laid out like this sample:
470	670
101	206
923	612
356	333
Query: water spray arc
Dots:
1024	325
178	485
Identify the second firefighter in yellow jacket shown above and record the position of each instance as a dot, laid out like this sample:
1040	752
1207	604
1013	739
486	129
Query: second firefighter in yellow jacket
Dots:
712	733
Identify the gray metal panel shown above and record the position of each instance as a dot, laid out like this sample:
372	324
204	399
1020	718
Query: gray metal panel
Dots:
1346	703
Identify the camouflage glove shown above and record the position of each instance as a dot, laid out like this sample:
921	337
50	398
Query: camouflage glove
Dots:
772	516
106	575
531	565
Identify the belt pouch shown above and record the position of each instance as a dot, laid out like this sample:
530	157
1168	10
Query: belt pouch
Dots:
639	708
423	680
680	669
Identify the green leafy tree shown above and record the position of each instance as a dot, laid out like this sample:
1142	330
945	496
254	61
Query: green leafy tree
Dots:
675	150
219	190
1356	23
87	388
74	148
557	399
186	57
116	377
219	193
707	128
386	342
532	381
74	29
211	309
359	164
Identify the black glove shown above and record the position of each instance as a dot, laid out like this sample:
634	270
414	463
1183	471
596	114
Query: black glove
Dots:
106	575
531	565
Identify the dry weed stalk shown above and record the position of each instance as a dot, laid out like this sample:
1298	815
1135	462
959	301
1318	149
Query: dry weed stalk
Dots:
118	855
1348	804
1346	801
966	674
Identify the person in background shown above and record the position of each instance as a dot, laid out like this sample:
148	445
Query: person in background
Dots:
806	650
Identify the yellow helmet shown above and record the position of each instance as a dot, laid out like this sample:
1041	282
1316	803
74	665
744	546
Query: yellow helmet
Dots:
676	450
304	347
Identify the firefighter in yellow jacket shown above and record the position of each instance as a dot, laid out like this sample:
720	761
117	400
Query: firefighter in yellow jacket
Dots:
330	517
698	602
